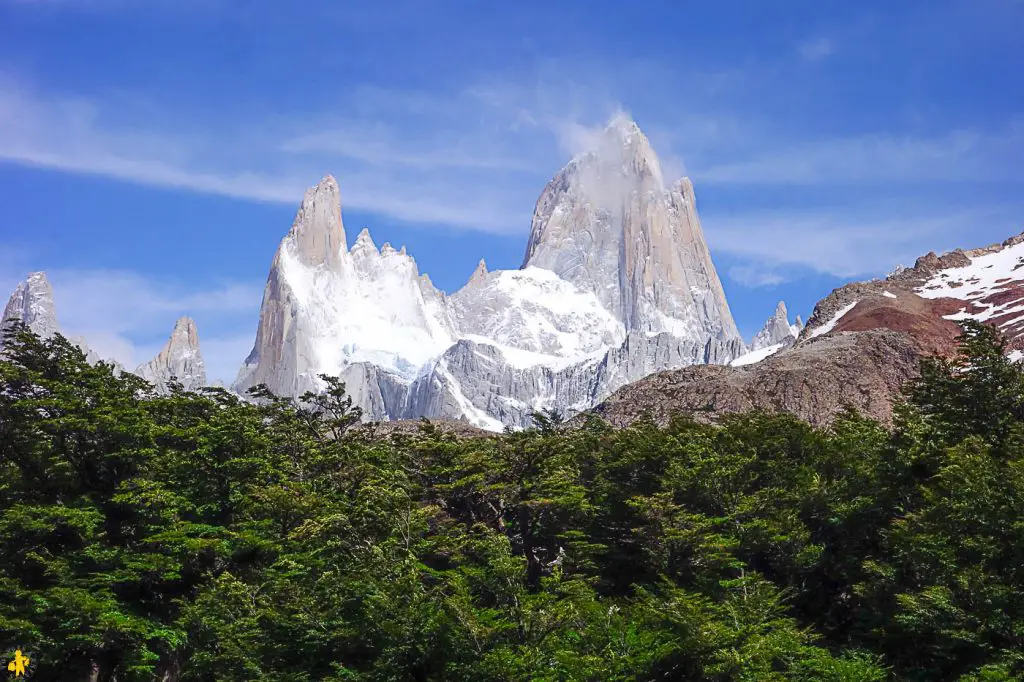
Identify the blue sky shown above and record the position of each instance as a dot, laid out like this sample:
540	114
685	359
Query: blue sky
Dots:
152	153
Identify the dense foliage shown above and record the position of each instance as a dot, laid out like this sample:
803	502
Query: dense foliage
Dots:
196	536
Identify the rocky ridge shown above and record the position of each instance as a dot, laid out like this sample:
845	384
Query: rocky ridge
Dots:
815	382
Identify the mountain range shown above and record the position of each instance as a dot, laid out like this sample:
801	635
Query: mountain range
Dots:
617	308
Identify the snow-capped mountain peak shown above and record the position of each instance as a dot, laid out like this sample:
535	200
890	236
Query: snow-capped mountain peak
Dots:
617	282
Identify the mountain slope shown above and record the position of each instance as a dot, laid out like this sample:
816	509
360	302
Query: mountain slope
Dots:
860	346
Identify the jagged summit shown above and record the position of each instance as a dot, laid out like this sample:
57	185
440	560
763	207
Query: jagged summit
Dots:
365	306
364	240
607	224
184	336
479	274
777	332
617	282
317	236
620	151
623	125
622	137
179	360
32	303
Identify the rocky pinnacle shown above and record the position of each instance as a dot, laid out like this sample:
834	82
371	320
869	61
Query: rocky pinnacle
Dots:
32	304
318	234
608	223
777	330
179	359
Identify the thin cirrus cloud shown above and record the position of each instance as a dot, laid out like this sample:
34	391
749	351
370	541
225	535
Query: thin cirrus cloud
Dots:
476	158
464	183
957	156
816	49
770	247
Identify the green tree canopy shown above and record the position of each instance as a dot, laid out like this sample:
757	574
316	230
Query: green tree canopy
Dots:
199	536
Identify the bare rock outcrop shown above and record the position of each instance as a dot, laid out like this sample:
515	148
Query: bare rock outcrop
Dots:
179	360
32	304
815	382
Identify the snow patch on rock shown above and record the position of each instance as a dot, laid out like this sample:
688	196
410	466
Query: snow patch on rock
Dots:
986	274
831	324
756	356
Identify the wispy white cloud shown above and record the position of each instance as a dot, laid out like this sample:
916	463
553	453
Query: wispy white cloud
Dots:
753	275
127	301
485	175
816	49
767	248
72	134
462	179
474	157
962	155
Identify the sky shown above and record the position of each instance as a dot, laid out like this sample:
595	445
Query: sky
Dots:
153	152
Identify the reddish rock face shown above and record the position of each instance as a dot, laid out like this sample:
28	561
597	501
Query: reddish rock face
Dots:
919	318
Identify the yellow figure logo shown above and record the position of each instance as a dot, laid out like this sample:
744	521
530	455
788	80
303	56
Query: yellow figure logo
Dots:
17	666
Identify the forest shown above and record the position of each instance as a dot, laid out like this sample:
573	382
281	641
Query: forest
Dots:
189	536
